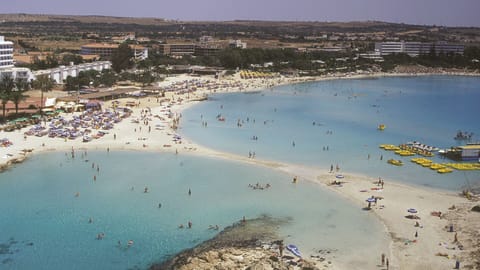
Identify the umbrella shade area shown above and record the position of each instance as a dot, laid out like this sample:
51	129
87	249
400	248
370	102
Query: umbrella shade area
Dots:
23	119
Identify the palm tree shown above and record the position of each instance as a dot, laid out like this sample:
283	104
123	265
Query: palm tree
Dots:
45	84
6	86
21	85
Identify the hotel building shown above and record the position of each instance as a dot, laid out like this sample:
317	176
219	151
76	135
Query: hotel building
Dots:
106	50
7	67
417	48
6	53
176	49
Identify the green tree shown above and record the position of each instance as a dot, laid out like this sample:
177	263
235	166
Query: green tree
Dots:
71	58
146	77
6	87
17	95
107	78
45	84
71	84
122	58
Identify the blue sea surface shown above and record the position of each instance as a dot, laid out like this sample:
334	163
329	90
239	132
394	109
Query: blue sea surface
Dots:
335	122
45	225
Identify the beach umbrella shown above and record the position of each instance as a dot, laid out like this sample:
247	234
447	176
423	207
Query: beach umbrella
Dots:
412	210
371	199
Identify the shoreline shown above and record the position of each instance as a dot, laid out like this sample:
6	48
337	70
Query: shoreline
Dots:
404	253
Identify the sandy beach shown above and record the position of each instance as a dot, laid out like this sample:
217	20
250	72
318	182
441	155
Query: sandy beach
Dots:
424	243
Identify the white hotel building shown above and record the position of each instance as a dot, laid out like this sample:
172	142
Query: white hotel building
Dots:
6	53
59	74
6	62
417	48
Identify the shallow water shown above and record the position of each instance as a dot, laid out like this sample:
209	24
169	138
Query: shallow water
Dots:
45	226
343	116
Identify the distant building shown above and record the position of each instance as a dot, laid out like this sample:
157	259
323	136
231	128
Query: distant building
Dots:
205	39
206	50
106	50
237	44
375	56
176	49
187	49
417	48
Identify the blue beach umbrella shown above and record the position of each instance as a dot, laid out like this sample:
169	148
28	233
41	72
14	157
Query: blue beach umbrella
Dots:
412	210
370	200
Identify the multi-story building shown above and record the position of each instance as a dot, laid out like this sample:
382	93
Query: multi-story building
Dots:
6	53
206	50
176	49
7	67
106	50
417	48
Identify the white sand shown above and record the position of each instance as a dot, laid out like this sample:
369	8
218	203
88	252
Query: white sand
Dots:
391	210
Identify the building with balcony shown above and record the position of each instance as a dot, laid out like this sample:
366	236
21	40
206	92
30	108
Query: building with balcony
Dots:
6	53
7	67
106	50
417	48
176	49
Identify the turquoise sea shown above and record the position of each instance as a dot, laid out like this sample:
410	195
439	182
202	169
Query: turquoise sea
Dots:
343	115
44	225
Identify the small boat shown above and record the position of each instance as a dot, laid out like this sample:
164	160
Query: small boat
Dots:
395	162
381	127
445	170
294	250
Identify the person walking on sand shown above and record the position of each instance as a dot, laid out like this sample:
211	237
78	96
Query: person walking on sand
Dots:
388	264
383	259
280	248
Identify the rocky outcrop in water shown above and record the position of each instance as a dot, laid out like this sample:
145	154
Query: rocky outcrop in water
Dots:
252	245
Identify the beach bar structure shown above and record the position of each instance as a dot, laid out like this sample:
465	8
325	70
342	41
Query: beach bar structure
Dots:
469	152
